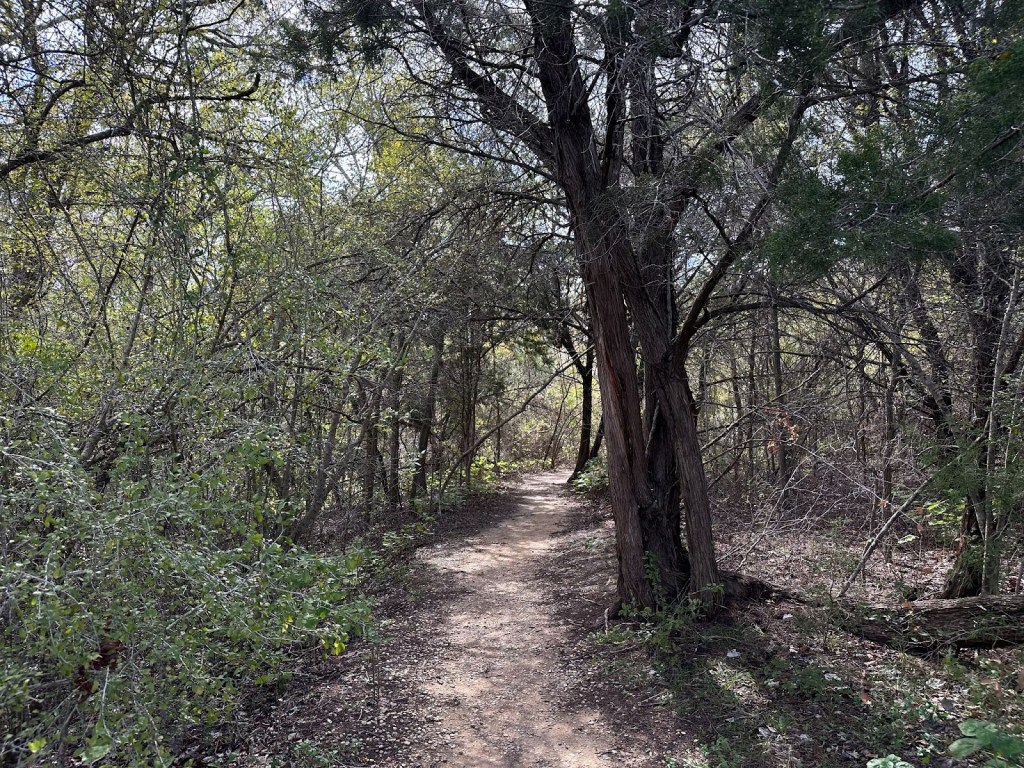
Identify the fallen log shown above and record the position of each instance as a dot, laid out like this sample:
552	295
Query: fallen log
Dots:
741	588
988	621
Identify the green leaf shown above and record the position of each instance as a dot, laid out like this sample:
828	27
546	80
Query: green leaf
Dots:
90	755
962	748
976	728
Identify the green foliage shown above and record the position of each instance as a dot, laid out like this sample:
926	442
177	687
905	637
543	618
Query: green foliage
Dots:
789	33
874	196
1003	749
985	119
722	753
806	244
875	208
593	478
486	474
665	629
344	27
136	618
309	754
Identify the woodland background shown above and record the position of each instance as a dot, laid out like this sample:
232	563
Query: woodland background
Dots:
281	284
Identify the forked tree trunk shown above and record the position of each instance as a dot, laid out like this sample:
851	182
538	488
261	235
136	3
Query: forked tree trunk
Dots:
635	460
677	401
623	433
663	463
607	259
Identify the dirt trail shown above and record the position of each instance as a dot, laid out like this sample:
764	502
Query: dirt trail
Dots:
484	654
500	688
485	658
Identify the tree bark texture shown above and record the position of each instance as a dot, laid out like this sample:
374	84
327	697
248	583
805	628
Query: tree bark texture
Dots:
586	371
970	622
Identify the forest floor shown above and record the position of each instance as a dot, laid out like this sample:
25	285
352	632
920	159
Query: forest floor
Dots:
493	650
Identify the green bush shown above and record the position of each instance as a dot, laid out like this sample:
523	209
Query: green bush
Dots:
593	478
135	619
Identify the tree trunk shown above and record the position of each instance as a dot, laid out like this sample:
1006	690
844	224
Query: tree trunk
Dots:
623	433
677	400
472	359
964	578
984	288
782	469
395	444
751	410
660	521
669	451
323	481
611	273
426	422
371	455
586	371
595	449
970	622
889	448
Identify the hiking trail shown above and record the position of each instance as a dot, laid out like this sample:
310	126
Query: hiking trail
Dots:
487	665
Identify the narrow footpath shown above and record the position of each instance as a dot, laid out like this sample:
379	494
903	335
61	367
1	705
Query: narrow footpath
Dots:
489	663
502	688
490	648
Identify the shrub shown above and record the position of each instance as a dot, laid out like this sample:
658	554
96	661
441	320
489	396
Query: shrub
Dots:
133	620
593	478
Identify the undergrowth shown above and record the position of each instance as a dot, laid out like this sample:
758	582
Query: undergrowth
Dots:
142	617
770	689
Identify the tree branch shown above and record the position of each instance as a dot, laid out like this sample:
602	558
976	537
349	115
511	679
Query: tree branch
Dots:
127	128
501	110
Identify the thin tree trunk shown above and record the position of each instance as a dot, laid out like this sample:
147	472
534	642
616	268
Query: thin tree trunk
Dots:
889	449
583	451
395	443
737	399
782	470
472	356
426	422
595	449
371	452
751	409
